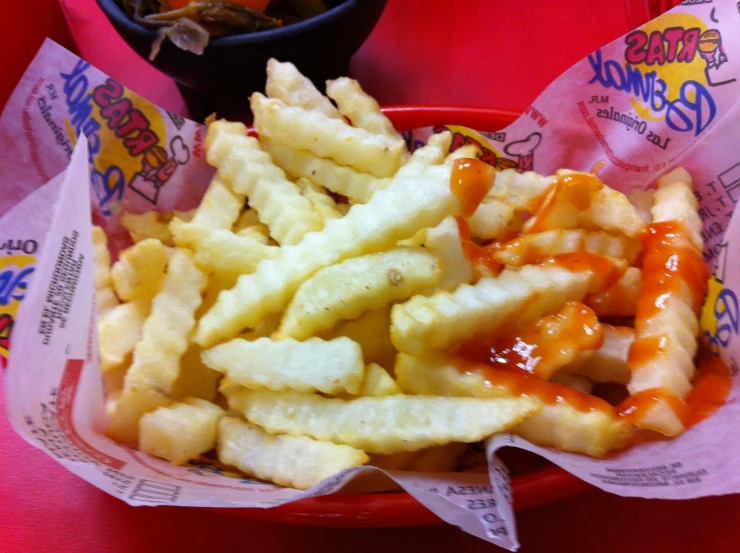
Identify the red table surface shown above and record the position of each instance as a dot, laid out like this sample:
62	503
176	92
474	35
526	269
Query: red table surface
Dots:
471	53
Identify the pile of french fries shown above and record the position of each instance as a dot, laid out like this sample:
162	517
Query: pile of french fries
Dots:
314	312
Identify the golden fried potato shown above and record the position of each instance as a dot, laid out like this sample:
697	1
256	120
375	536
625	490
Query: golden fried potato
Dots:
293	461
387	424
328	366
323	136
181	431
346	290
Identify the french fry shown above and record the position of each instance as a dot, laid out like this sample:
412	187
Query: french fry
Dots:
139	271
392	214
445	320
357	186
181	431
153	224
224	253
576	381
494	219
105	298
346	290
294	461
195	380
250	171
286	83
126	409
444	241
118	332
666	320
531	248
612	211
378	382
581	199
502	211
372	330
463	152
620	299
642	201
359	107
674	200
376	154
220	206
387	424
247	218
322	203
594	430
608	363
331	367
434	152
156	361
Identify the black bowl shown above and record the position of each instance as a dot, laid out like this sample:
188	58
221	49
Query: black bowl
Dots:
232	67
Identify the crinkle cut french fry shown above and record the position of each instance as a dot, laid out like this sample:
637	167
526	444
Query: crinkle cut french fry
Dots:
662	354
594	432
101	259
444	241
286	83
251	171
393	214
167	329
445	320
674	200
248	224
328	366
642	200
387	424
609	362
501	212
139	271
346	290
372	330
360	107
371	153
467	151
322	203
220	205
357	186
181	431
531	248
195	380
433	152
620	299
494	219
221	251
153	224
519	189
378	382
294	461
611	211
576	381
105	298
582	200
126	409
118	332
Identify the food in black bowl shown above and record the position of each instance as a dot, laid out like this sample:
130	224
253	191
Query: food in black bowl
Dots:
232	63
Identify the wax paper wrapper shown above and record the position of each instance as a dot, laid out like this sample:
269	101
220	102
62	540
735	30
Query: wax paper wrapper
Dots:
662	96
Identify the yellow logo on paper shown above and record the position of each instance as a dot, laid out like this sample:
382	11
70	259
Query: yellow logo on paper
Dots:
669	68
127	136
522	151
15	273
720	317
